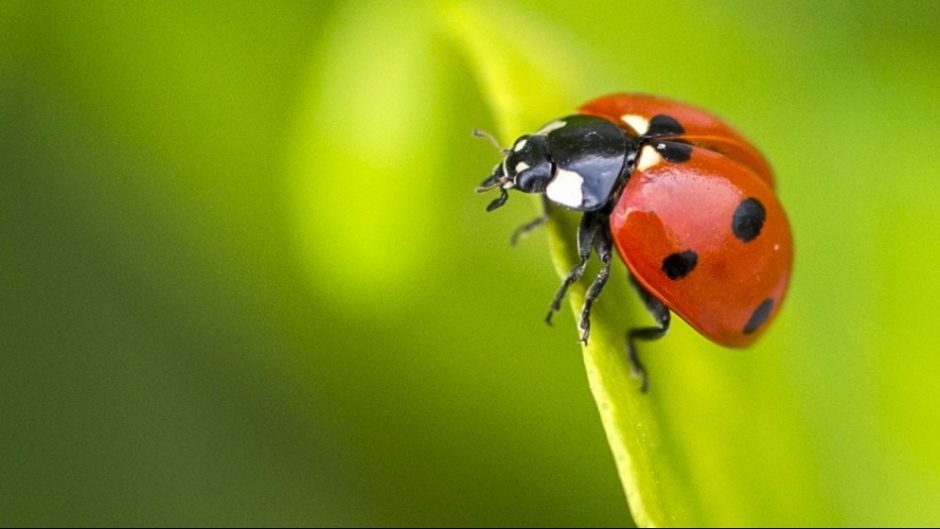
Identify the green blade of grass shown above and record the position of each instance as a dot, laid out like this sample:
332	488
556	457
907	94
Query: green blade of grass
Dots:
694	450
527	79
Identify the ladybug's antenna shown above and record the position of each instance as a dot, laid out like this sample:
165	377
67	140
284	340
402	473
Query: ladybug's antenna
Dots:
483	134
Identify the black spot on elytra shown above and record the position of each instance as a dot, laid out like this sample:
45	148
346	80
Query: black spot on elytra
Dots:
674	151
748	219
760	315
663	125
679	264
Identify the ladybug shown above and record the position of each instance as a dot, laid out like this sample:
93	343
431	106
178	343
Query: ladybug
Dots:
687	201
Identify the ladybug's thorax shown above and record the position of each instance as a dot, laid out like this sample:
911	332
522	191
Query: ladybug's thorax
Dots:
590	157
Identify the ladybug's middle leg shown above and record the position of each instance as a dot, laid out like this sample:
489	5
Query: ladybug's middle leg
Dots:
603	245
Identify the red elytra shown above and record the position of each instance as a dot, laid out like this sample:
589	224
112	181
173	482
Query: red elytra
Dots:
739	280
702	129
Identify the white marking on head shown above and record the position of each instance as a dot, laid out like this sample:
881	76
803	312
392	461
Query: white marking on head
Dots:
509	185
649	157
554	125
638	123
519	146
565	189
521	166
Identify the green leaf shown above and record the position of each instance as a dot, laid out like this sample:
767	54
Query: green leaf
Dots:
522	93
681	449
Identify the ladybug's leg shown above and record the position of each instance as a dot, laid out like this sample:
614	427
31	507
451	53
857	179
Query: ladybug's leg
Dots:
603	245
586	232
532	224
660	313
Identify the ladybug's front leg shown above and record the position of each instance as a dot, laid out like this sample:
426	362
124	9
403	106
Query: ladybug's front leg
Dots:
586	233
532	224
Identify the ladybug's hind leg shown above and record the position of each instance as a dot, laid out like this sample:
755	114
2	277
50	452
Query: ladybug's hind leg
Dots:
660	313
587	231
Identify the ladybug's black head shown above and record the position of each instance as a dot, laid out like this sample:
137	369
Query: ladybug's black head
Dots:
526	167
578	161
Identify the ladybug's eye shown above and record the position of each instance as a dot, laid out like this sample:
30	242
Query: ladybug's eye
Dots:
534	179
529	164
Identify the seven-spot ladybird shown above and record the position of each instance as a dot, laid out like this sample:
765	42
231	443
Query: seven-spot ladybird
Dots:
687	201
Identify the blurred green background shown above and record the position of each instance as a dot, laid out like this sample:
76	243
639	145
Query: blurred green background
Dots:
244	278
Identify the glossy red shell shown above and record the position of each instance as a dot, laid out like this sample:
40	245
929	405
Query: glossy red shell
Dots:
701	128
671	207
